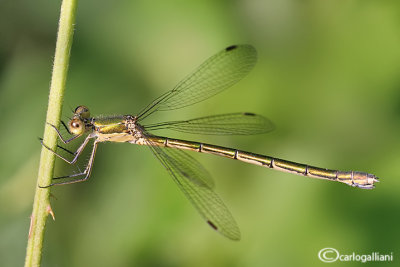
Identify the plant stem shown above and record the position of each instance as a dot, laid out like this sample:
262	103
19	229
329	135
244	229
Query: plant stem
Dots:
41	203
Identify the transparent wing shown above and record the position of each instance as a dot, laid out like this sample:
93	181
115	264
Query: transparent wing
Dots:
189	167
223	124
216	74
200	194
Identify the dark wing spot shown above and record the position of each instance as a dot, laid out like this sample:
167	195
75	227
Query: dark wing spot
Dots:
212	225
249	114
232	47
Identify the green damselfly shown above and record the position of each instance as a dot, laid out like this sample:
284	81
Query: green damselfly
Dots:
216	74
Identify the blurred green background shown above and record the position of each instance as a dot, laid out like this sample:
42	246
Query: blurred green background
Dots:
327	76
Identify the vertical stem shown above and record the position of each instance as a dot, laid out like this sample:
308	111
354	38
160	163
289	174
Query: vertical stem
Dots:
41	204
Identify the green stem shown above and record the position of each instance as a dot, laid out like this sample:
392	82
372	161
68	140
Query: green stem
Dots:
41	203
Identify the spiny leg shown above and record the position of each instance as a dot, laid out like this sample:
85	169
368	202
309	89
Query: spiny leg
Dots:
63	148
77	153
65	126
86	172
61	137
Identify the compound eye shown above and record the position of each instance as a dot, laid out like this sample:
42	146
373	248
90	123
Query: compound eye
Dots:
76	126
83	112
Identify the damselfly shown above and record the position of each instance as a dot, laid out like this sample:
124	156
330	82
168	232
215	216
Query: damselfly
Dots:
216	74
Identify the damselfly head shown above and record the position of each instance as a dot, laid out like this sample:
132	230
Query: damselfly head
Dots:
77	125
82	112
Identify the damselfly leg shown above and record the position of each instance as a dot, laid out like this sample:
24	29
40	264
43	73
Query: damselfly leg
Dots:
77	153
